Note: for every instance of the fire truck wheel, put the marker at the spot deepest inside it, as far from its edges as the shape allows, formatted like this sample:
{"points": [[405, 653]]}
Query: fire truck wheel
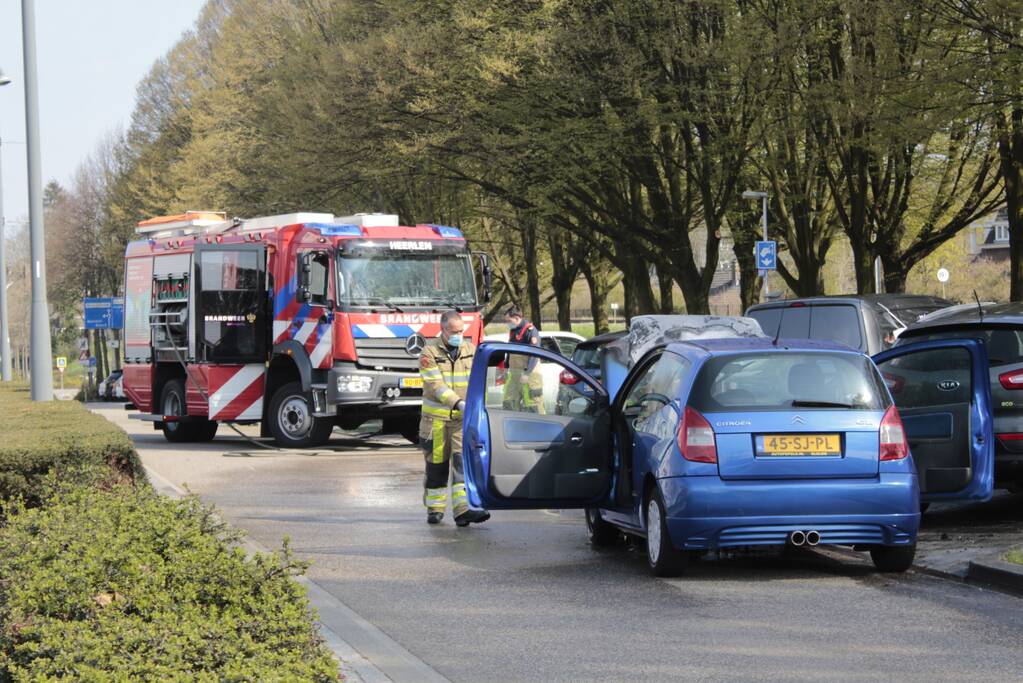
{"points": [[291, 419], [410, 430], [407, 427], [172, 402], [205, 431]]}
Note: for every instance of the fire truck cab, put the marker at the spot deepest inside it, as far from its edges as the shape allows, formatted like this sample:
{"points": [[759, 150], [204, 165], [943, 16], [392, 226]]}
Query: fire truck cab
{"points": [[301, 322]]}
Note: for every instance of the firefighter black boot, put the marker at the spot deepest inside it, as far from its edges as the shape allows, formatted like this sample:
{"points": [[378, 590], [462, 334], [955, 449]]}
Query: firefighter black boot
{"points": [[472, 516], [434, 517]]}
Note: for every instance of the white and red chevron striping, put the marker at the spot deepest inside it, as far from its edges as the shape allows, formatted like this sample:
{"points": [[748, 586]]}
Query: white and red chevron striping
{"points": [[236, 391]]}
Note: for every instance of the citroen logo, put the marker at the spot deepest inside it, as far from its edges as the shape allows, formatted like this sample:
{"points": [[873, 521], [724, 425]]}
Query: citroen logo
{"points": [[798, 420], [415, 344]]}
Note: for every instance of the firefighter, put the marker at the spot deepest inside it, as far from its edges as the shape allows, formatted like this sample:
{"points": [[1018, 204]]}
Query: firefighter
{"points": [[523, 387], [444, 366]]}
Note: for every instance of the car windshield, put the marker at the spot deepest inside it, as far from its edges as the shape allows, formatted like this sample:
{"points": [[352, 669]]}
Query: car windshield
{"points": [[783, 380], [587, 357], [390, 279], [1004, 346]]}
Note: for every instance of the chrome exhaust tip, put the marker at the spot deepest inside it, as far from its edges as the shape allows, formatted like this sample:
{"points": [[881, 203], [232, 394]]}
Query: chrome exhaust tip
{"points": [[797, 538], [813, 537]]}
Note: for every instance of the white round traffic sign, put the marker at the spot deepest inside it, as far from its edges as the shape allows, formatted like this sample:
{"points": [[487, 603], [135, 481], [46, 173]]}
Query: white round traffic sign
{"points": [[942, 275]]}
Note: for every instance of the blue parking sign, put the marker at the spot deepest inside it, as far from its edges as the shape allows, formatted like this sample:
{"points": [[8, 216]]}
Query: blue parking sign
{"points": [[97, 312], [767, 255]]}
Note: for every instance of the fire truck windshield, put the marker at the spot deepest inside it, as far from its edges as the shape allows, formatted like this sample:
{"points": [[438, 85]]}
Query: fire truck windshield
{"points": [[406, 279]]}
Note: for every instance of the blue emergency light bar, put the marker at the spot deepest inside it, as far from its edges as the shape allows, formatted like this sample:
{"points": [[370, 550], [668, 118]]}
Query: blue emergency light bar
{"points": [[332, 230], [445, 231]]}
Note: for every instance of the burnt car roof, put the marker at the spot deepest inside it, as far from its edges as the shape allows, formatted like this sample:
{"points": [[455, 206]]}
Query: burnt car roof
{"points": [[1006, 314], [891, 301]]}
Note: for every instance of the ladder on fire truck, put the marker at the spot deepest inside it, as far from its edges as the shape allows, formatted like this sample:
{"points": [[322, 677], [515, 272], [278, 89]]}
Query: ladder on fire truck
{"points": [[209, 223]]}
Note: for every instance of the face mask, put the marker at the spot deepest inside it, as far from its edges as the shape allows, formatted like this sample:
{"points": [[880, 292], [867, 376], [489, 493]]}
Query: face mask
{"points": [[455, 340], [513, 326]]}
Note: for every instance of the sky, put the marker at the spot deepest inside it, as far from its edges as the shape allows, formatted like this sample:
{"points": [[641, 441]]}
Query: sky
{"points": [[91, 54]]}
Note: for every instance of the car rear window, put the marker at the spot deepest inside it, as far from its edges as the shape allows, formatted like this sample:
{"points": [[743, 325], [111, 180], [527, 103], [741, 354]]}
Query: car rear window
{"points": [[587, 357], [1004, 346], [786, 380], [832, 322]]}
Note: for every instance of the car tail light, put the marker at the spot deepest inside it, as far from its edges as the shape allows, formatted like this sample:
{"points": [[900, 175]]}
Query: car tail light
{"points": [[1012, 379], [895, 383], [696, 438], [1011, 436], [568, 377], [893, 436]]}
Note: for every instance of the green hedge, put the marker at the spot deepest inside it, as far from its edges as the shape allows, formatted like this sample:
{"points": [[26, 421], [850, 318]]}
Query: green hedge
{"points": [[103, 579], [61, 437], [125, 584]]}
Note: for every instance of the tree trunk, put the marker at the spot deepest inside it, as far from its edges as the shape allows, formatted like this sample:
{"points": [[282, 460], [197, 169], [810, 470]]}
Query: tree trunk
{"points": [[563, 298], [667, 291], [531, 256], [896, 271], [750, 282], [1010, 156], [639, 294], [598, 278], [863, 264], [564, 270]]}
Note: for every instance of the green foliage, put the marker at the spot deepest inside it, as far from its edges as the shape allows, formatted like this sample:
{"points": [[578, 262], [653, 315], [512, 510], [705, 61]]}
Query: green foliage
{"points": [[124, 584], [1014, 556], [60, 437]]}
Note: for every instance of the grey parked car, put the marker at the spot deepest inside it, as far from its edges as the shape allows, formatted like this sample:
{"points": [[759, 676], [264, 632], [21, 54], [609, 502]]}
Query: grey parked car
{"points": [[1000, 327], [869, 323]]}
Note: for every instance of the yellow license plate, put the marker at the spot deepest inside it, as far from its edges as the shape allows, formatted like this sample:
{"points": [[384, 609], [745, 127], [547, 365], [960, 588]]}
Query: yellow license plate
{"points": [[411, 382], [799, 444]]}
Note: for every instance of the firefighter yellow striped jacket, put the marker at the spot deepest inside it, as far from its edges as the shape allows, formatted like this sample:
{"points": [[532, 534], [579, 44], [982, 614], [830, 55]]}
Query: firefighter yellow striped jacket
{"points": [[445, 380]]}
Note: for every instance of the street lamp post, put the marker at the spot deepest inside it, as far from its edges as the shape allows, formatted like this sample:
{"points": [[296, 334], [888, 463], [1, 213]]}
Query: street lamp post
{"points": [[42, 362], [762, 196], [5, 337]]}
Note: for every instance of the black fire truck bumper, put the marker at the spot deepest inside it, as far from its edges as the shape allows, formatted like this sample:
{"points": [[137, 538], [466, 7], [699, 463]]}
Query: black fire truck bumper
{"points": [[355, 392]]}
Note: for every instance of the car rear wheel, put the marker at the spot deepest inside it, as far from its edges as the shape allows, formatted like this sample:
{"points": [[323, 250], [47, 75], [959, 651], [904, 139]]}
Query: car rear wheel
{"points": [[663, 558], [893, 558], [601, 533], [292, 424]]}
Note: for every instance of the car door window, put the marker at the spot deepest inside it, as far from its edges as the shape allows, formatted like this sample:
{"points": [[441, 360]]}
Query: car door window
{"points": [[315, 276], [929, 378], [524, 383], [568, 345], [652, 402]]}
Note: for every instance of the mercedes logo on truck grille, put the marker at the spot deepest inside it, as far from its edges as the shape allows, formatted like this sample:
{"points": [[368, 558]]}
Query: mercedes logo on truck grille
{"points": [[415, 344]]}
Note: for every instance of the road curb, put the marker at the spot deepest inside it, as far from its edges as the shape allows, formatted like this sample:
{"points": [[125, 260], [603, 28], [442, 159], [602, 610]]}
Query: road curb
{"points": [[374, 658], [995, 572]]}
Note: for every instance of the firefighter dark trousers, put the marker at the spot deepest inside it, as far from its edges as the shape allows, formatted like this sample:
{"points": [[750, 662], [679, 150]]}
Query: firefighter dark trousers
{"points": [[442, 446]]}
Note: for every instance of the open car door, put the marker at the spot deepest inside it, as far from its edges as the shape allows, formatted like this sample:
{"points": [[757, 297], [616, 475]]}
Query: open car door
{"points": [[943, 393], [521, 452]]}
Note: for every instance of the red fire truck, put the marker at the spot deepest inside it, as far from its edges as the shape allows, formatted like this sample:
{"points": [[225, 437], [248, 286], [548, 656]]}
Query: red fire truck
{"points": [[300, 322]]}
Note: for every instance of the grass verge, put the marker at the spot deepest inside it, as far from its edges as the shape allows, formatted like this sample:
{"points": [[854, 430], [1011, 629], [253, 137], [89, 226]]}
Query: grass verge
{"points": [[1014, 556]]}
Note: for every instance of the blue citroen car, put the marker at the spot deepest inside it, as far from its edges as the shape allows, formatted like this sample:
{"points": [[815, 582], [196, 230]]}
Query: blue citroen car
{"points": [[723, 443]]}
